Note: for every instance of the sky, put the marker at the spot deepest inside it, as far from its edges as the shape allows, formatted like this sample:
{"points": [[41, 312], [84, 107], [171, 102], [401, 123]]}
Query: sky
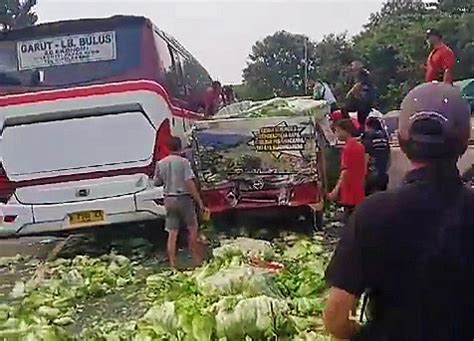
{"points": [[220, 34]]}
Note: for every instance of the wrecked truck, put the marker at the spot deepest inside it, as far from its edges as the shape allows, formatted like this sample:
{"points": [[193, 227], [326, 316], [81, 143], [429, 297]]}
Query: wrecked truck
{"points": [[265, 156]]}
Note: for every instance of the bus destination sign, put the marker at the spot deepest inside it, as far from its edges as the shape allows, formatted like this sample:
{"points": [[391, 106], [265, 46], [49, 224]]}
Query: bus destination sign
{"points": [[65, 50]]}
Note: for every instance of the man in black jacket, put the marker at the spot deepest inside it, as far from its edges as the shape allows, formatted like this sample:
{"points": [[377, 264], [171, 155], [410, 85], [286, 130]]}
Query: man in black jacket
{"points": [[411, 248], [377, 149], [361, 97]]}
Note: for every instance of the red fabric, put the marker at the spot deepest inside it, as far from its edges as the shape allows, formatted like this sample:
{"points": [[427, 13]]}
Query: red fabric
{"points": [[353, 161], [439, 60], [336, 116]]}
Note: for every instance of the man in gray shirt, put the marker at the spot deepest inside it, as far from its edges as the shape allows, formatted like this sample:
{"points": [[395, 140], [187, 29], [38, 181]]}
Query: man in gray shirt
{"points": [[181, 195]]}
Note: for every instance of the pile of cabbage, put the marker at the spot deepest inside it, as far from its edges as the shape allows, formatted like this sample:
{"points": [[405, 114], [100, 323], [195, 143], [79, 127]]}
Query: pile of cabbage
{"points": [[228, 298], [276, 107]]}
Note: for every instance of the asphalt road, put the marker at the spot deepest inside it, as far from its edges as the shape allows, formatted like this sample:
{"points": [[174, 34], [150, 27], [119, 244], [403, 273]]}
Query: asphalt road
{"points": [[28, 246]]}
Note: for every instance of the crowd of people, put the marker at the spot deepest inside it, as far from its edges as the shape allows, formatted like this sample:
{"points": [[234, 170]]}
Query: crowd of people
{"points": [[409, 250]]}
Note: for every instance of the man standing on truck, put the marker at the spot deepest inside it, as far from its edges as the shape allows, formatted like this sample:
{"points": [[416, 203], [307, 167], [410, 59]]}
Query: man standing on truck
{"points": [[212, 99], [321, 91], [411, 248], [361, 97], [350, 186], [441, 61], [181, 196]]}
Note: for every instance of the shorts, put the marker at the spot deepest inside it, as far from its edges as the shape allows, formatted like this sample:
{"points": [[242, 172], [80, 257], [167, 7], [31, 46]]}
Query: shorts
{"points": [[180, 210]]}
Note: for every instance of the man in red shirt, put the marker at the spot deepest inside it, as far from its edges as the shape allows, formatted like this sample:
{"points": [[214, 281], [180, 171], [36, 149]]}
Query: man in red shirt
{"points": [[212, 98], [350, 188], [441, 61]]}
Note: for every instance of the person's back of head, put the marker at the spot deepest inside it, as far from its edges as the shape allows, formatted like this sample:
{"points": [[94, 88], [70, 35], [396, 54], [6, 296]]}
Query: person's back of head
{"points": [[175, 145], [345, 128], [374, 123], [434, 124], [216, 86]]}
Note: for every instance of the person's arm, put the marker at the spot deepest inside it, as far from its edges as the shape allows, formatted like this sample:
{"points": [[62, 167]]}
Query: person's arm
{"points": [[354, 92], [342, 179], [157, 179], [338, 314], [345, 169], [192, 188], [191, 185], [345, 277], [368, 145]]}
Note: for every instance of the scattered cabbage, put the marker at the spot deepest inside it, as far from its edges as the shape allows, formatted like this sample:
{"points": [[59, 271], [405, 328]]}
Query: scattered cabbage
{"points": [[226, 299], [245, 246]]}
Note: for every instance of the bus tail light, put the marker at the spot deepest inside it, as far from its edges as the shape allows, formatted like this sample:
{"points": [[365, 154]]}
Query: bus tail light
{"points": [[161, 145], [6, 186], [162, 138]]}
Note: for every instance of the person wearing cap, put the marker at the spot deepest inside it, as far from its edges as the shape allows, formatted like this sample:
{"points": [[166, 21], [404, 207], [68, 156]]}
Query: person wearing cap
{"points": [[441, 61], [411, 249]]}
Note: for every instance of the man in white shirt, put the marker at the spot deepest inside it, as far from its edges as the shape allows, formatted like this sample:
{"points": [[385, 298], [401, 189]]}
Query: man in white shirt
{"points": [[322, 91]]}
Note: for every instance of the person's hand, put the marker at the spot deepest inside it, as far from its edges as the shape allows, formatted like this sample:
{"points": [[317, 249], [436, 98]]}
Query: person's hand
{"points": [[332, 196], [201, 206]]}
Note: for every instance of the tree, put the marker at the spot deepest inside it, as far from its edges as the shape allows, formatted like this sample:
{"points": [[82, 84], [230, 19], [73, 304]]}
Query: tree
{"points": [[395, 50], [277, 65], [456, 6], [396, 8], [17, 14], [392, 45], [332, 57]]}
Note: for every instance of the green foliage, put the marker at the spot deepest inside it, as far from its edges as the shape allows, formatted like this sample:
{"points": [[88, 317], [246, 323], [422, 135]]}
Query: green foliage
{"points": [[17, 14], [277, 65], [392, 45]]}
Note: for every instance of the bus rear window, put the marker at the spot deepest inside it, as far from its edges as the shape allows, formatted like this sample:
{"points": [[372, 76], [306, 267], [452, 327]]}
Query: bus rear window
{"points": [[71, 59]]}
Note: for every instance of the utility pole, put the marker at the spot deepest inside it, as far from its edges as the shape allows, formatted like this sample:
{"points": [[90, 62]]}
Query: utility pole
{"points": [[305, 65]]}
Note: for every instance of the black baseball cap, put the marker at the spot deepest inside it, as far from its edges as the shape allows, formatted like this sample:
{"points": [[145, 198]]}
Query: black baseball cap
{"points": [[434, 113]]}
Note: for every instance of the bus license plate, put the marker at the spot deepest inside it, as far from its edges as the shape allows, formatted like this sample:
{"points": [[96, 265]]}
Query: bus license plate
{"points": [[80, 218]]}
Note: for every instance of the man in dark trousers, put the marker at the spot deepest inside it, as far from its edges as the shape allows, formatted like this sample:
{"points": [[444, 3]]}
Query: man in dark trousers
{"points": [[361, 97], [411, 248], [377, 149], [441, 61]]}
